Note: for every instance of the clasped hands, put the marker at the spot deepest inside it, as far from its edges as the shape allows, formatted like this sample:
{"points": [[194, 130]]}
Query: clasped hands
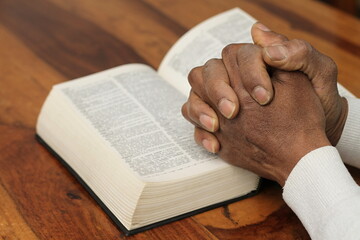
{"points": [[264, 106]]}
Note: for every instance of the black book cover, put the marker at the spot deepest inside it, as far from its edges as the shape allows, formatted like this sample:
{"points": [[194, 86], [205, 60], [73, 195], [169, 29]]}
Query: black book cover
{"points": [[147, 227]]}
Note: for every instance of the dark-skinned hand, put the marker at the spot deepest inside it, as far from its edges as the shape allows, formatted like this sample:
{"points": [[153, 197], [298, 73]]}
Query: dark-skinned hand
{"points": [[278, 52], [268, 140]]}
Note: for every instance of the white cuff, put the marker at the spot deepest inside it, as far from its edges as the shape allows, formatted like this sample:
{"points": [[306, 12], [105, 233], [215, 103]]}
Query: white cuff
{"points": [[318, 183], [349, 143]]}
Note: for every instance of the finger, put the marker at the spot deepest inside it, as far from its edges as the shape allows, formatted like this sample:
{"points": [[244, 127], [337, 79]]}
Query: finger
{"points": [[206, 140], [218, 89], [247, 70], [264, 37], [254, 75], [196, 111]]}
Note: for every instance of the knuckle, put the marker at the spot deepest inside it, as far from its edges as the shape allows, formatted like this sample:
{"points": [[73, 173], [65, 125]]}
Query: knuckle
{"points": [[194, 76], [302, 47], [208, 68], [305, 50], [247, 53], [229, 50], [281, 38], [211, 62], [332, 65], [330, 68]]}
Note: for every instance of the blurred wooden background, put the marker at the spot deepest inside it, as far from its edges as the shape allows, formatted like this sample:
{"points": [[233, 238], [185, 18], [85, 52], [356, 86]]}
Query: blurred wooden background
{"points": [[349, 6], [43, 42]]}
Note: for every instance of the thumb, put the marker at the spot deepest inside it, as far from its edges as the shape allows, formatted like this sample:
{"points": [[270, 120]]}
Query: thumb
{"points": [[299, 55], [264, 37], [294, 55]]}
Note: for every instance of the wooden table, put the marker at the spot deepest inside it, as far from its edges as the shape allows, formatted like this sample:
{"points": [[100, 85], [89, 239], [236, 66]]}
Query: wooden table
{"points": [[43, 42]]}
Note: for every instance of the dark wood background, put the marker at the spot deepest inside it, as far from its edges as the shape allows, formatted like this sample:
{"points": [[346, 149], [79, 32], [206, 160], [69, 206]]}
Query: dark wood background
{"points": [[44, 42]]}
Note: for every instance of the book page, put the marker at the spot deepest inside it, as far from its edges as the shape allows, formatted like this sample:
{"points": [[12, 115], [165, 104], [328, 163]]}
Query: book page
{"points": [[203, 42], [138, 114]]}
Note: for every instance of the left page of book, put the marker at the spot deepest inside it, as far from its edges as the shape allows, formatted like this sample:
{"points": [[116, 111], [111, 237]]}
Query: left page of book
{"points": [[137, 116], [64, 124]]}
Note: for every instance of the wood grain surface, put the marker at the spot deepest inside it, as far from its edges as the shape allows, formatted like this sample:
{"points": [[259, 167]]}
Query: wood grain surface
{"points": [[44, 42]]}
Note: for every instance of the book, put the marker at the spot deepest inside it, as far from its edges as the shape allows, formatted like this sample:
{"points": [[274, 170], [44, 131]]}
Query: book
{"points": [[121, 134]]}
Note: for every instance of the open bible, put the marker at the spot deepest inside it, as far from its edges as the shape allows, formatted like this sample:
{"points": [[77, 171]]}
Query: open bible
{"points": [[121, 133]]}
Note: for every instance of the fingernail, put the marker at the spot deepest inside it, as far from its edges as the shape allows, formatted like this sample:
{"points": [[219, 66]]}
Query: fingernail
{"points": [[261, 95], [208, 122], [263, 27], [208, 146], [226, 107], [276, 53]]}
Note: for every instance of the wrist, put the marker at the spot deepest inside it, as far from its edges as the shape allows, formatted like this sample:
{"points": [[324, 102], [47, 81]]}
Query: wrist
{"points": [[305, 143]]}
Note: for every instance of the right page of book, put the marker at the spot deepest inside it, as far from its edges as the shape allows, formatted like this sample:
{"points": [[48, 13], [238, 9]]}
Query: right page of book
{"points": [[206, 41], [203, 42]]}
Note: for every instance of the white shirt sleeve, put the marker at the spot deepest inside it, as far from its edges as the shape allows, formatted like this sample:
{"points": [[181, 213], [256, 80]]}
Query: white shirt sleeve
{"points": [[349, 143], [324, 196]]}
